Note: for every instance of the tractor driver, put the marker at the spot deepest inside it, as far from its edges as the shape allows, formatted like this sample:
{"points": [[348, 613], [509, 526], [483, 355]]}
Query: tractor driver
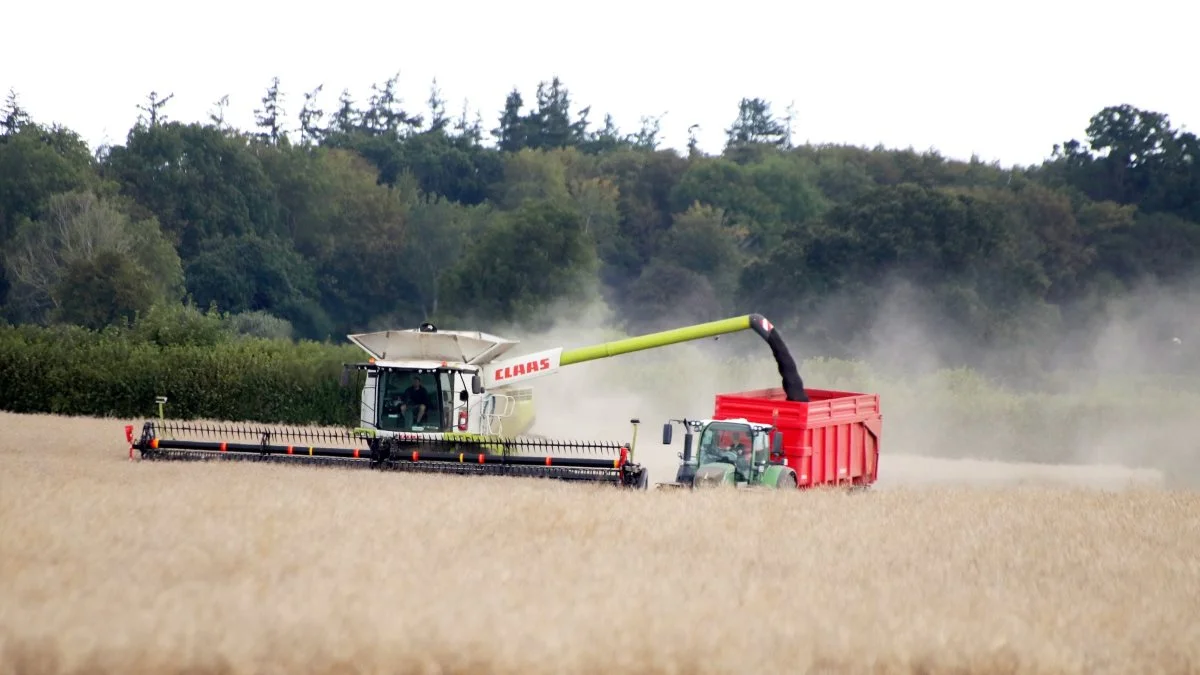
{"points": [[418, 397], [739, 457], [741, 453], [724, 453]]}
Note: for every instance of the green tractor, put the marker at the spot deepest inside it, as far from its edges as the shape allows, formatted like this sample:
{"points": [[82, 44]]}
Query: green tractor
{"points": [[733, 452]]}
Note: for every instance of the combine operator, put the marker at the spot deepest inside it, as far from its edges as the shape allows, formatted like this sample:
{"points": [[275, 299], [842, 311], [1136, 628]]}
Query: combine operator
{"points": [[415, 398]]}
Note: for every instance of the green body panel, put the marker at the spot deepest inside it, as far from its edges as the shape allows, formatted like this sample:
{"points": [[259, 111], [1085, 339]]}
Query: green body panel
{"points": [[495, 448], [521, 421], [716, 474], [653, 340], [772, 474]]}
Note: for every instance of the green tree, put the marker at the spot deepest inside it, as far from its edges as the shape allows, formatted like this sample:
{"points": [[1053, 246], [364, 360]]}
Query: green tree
{"points": [[199, 182], [101, 290], [248, 273], [15, 116], [532, 256], [699, 241], [666, 295], [755, 125], [311, 130], [513, 132], [763, 197], [38, 162], [532, 174], [606, 138], [438, 232], [1133, 156], [269, 118], [645, 183], [76, 229], [454, 167], [217, 117], [964, 255], [550, 124], [152, 114], [547, 126], [385, 115], [1043, 227], [350, 228], [347, 119]]}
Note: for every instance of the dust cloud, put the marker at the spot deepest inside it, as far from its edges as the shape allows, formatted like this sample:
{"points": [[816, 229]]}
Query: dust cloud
{"points": [[1112, 390], [1102, 396]]}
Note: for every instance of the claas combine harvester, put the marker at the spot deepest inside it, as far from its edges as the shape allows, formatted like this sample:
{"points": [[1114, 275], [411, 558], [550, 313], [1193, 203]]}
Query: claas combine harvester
{"points": [[444, 401]]}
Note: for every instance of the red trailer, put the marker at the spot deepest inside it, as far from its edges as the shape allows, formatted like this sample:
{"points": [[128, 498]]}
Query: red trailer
{"points": [[833, 439]]}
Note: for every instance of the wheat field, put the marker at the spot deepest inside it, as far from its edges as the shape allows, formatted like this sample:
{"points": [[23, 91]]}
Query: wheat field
{"points": [[112, 566]]}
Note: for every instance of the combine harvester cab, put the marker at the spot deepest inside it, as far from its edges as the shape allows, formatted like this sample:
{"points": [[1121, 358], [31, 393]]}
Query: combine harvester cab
{"points": [[450, 367], [760, 438]]}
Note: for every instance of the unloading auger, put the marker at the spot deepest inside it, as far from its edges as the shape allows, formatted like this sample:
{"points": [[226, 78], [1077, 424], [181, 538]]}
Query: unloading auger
{"points": [[440, 401]]}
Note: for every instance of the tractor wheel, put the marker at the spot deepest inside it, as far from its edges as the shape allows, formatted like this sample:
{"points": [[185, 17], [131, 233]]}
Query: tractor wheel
{"points": [[787, 481]]}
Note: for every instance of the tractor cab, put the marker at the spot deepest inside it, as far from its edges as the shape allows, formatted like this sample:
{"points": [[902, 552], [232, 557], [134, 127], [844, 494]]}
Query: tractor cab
{"points": [[728, 452], [733, 443]]}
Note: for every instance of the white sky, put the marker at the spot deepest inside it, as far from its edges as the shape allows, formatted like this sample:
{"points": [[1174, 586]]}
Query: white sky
{"points": [[1006, 80]]}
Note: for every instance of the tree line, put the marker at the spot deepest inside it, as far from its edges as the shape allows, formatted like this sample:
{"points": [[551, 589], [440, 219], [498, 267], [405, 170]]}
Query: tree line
{"points": [[378, 213]]}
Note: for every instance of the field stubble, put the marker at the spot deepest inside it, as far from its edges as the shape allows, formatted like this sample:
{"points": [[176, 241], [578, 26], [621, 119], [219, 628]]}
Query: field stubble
{"points": [[108, 566]]}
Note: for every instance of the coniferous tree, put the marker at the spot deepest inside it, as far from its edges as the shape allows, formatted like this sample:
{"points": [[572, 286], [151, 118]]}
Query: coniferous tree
{"points": [[270, 116], [153, 110]]}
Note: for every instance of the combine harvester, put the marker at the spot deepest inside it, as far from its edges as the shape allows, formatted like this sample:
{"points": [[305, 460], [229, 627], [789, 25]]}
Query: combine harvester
{"points": [[470, 420]]}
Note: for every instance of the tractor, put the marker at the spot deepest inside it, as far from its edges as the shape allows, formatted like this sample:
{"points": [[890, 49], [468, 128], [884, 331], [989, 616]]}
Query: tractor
{"points": [[732, 452]]}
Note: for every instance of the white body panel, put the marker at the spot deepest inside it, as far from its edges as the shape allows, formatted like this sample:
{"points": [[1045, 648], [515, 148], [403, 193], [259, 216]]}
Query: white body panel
{"points": [[756, 426], [413, 345], [367, 412], [428, 365], [521, 369]]}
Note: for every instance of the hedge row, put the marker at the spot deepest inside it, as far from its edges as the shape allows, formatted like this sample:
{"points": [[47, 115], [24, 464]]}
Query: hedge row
{"points": [[73, 371]]}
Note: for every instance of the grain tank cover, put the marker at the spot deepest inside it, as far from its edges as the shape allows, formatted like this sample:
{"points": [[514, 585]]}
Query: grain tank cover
{"points": [[430, 344]]}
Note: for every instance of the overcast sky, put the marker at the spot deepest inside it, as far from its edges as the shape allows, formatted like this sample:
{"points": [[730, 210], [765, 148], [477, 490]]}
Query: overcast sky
{"points": [[1005, 80]]}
